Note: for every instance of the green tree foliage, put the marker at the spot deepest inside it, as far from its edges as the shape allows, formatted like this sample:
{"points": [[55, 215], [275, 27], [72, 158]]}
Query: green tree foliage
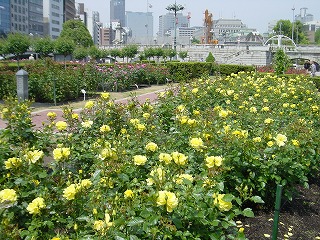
{"points": [[115, 52], [80, 53], [281, 62], [94, 52], [171, 53], [317, 36], [183, 54], [77, 31], [64, 46], [43, 46], [17, 44], [130, 51], [284, 27], [210, 58], [158, 52]]}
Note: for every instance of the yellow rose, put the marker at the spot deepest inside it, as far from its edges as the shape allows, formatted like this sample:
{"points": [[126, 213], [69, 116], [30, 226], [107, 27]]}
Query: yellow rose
{"points": [[89, 105], [165, 157], [161, 200], [61, 125], [212, 161], [12, 162], [141, 127], [8, 195], [172, 201], [105, 128], [139, 160], [69, 193], [85, 183], [36, 205], [180, 178], [179, 158], [222, 204], [281, 140], [98, 225], [268, 120], [61, 153], [33, 156], [87, 124], [223, 113], [151, 146], [105, 95], [146, 115], [196, 143], [128, 193], [51, 115]]}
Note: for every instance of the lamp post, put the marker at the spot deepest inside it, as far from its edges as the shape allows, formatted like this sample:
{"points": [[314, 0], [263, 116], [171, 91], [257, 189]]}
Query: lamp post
{"points": [[175, 8], [292, 23]]}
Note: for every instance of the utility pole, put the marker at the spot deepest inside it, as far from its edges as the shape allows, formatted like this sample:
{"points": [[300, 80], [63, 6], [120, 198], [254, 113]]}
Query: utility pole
{"points": [[175, 8]]}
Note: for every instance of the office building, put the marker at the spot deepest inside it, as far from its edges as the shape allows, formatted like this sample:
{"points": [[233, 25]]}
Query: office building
{"points": [[5, 19], [140, 25], [167, 23], [53, 17], [69, 9], [117, 11], [35, 18], [19, 16]]}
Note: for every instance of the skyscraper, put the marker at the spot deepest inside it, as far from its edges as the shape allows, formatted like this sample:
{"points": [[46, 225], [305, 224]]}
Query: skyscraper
{"points": [[117, 11], [5, 19]]}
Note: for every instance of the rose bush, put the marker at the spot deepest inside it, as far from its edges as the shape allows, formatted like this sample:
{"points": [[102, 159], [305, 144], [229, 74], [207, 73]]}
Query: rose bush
{"points": [[187, 167]]}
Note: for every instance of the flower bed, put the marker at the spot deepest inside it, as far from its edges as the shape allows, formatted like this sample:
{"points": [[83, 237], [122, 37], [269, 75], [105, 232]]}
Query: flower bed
{"points": [[185, 168]]}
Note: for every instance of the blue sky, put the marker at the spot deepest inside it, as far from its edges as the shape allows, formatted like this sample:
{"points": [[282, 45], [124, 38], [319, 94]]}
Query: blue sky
{"points": [[254, 13]]}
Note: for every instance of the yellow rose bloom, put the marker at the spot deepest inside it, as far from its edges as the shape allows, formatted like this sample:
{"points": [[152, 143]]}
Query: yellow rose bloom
{"points": [[268, 120], [34, 156], [195, 90], [253, 110], [179, 158], [161, 200], [139, 160], [69, 193], [158, 173], [152, 147], [265, 109], [51, 115], [165, 157], [212, 161], [270, 143], [146, 115], [141, 127], [281, 140], [36, 205], [87, 124], [295, 142], [134, 121], [55, 238], [89, 105], [180, 178], [75, 116], [257, 139], [61, 125], [223, 113], [105, 96], [61, 153], [12, 163], [172, 201], [128, 193], [8, 196], [196, 143], [85, 183], [222, 204], [105, 128], [98, 225]]}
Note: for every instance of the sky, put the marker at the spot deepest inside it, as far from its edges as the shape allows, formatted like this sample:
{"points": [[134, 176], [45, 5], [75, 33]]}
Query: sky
{"points": [[254, 13]]}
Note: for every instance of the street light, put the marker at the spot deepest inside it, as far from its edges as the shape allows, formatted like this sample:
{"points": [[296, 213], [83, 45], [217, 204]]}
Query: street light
{"points": [[292, 22], [175, 8]]}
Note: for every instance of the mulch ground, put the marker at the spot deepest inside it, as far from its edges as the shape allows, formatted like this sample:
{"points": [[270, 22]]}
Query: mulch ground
{"points": [[299, 219]]}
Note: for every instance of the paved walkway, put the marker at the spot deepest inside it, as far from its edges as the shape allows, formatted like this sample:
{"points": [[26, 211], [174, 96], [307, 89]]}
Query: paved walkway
{"points": [[39, 117]]}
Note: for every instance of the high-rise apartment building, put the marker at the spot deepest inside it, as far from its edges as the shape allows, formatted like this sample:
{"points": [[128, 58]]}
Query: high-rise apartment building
{"points": [[5, 19], [35, 18], [141, 27], [53, 17], [19, 16], [117, 11], [69, 9], [167, 22]]}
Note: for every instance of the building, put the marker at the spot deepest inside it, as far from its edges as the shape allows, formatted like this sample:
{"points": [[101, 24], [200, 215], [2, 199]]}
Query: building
{"points": [[141, 27], [117, 12], [53, 17], [19, 16], [105, 36], [310, 28], [167, 22], [304, 16], [69, 9], [96, 25], [36, 26], [81, 13], [223, 28], [5, 18]]}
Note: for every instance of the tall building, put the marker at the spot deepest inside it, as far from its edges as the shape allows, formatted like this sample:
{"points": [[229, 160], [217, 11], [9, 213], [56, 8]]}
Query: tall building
{"points": [[69, 9], [304, 16], [96, 25], [35, 18], [5, 19], [117, 11], [167, 22], [19, 16], [141, 27], [53, 17]]}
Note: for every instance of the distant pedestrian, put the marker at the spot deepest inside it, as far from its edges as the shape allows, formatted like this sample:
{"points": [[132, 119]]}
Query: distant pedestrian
{"points": [[313, 69], [307, 65]]}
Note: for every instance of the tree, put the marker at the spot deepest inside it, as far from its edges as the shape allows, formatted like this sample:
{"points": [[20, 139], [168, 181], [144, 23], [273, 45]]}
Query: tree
{"points": [[281, 62], [94, 52], [43, 46], [130, 51], [317, 36], [183, 54], [158, 52], [77, 31], [284, 27], [64, 46], [80, 53], [210, 58], [115, 52], [171, 53], [17, 44]]}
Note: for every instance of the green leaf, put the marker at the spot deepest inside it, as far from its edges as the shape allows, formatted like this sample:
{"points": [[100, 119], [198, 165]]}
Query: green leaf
{"points": [[133, 237], [248, 212], [257, 199], [177, 222], [135, 222], [215, 223], [42, 175], [228, 197]]}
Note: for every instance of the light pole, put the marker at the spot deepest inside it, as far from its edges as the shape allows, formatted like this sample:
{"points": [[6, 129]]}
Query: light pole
{"points": [[292, 22], [175, 8]]}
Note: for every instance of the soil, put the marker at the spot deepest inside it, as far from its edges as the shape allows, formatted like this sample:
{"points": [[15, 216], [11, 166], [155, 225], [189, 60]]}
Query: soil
{"points": [[298, 219]]}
